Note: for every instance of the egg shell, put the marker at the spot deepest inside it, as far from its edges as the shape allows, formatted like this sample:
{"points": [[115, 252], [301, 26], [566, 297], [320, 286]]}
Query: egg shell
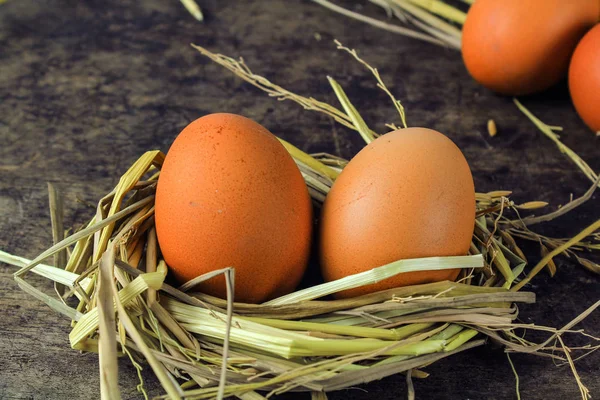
{"points": [[584, 78], [518, 47], [408, 194], [230, 195]]}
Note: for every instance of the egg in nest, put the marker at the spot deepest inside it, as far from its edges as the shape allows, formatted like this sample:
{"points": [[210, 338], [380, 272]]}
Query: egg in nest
{"points": [[408, 194], [230, 195]]}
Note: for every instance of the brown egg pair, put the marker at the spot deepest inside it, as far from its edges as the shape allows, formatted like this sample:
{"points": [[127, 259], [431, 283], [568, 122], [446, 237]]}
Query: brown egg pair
{"points": [[519, 47], [229, 194]]}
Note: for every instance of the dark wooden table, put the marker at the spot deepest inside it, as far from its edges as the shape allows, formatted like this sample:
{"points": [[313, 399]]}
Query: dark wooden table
{"points": [[86, 87]]}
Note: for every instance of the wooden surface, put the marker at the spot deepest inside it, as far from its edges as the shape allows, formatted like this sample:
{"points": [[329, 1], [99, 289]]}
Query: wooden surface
{"points": [[86, 87]]}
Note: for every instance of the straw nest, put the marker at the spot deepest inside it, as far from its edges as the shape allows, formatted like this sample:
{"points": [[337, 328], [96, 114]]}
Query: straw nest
{"points": [[110, 281]]}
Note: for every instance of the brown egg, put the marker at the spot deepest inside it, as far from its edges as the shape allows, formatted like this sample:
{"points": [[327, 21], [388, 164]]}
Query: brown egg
{"points": [[230, 195], [408, 194], [584, 78], [518, 47]]}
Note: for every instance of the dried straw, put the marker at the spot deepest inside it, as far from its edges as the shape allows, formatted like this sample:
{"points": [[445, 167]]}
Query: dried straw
{"points": [[432, 21], [202, 347]]}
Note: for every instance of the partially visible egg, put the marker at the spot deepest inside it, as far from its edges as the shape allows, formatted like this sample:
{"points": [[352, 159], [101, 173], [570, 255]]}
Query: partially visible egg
{"points": [[230, 195], [408, 194], [584, 78], [518, 47]]}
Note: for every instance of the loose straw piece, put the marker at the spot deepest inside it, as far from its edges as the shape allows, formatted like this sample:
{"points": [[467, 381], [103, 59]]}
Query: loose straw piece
{"points": [[558, 250], [107, 344], [193, 9], [380, 84], [512, 366], [410, 388], [359, 123], [547, 130], [47, 271], [58, 231], [377, 274], [442, 9], [169, 385], [491, 127], [425, 20], [83, 234], [379, 24], [528, 221], [229, 285], [151, 262], [239, 68]]}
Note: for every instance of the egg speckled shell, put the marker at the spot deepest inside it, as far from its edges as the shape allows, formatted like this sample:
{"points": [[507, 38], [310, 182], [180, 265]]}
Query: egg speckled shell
{"points": [[408, 194], [518, 47], [230, 195]]}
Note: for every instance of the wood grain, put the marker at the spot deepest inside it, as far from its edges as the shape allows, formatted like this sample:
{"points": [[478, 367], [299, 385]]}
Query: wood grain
{"points": [[87, 87]]}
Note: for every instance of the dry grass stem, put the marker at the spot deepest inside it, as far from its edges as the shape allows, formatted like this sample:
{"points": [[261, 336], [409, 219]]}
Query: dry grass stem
{"points": [[380, 84], [379, 24], [193, 9], [548, 131]]}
